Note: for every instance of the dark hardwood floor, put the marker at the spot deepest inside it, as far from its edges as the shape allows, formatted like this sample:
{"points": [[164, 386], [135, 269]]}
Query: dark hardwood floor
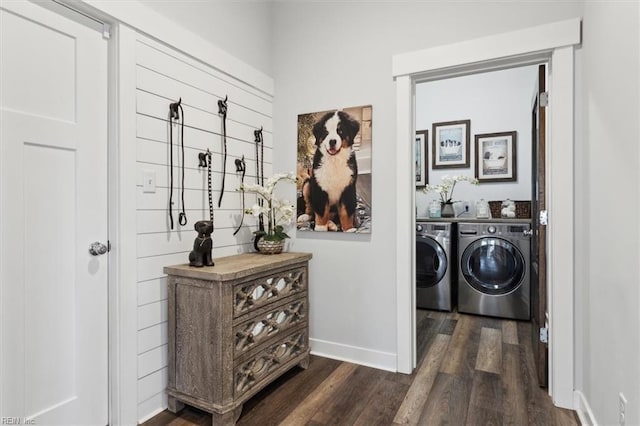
{"points": [[472, 371]]}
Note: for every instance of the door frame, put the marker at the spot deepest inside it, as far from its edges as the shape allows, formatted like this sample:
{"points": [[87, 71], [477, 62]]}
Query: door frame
{"points": [[122, 360], [552, 43]]}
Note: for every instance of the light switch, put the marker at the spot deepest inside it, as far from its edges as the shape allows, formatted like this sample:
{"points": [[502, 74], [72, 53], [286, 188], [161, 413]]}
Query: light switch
{"points": [[149, 181]]}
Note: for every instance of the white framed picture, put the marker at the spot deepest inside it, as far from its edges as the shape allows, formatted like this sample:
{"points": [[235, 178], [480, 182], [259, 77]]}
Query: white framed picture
{"points": [[451, 143], [495, 155]]}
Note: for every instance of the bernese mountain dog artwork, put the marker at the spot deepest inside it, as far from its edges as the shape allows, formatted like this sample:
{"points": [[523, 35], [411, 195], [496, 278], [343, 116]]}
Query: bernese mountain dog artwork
{"points": [[330, 198]]}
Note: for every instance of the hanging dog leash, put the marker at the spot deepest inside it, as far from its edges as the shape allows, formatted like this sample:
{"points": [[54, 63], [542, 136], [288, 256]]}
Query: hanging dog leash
{"points": [[222, 109], [175, 109], [259, 179], [260, 170], [241, 167], [205, 161], [201, 255]]}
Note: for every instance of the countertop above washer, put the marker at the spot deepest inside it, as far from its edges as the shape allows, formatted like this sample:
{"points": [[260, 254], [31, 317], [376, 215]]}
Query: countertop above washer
{"points": [[472, 219]]}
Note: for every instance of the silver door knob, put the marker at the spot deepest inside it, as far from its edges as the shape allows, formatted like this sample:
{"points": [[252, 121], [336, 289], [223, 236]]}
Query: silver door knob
{"points": [[97, 248]]}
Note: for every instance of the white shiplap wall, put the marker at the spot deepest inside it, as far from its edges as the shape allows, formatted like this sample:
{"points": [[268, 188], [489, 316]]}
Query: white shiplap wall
{"points": [[164, 75]]}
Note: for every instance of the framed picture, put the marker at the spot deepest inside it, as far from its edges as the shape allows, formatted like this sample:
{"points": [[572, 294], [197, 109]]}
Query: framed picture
{"points": [[422, 136], [451, 144], [334, 171], [496, 157]]}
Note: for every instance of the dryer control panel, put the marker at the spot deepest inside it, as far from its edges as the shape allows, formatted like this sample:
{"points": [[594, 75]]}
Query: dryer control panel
{"points": [[496, 229]]}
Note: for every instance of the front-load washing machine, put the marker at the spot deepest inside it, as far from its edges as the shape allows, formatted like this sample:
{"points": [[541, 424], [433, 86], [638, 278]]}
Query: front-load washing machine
{"points": [[435, 265], [494, 269]]}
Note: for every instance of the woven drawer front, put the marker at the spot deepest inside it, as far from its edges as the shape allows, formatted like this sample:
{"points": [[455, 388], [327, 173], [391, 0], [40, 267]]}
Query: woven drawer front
{"points": [[272, 323], [268, 289], [274, 356]]}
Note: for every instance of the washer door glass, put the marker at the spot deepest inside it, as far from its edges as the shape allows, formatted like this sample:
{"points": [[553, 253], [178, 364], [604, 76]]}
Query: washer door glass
{"points": [[431, 262], [493, 266]]}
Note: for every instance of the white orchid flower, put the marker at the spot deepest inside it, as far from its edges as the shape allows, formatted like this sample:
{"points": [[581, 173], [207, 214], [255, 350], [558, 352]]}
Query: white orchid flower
{"points": [[276, 212], [445, 189]]}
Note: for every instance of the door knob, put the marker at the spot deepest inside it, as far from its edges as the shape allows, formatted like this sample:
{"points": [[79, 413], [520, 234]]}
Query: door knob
{"points": [[97, 248]]}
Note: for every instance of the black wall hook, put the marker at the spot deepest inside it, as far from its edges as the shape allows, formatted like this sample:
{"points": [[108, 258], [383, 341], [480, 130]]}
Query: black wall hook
{"points": [[240, 165], [258, 135], [222, 106], [174, 109], [202, 159]]}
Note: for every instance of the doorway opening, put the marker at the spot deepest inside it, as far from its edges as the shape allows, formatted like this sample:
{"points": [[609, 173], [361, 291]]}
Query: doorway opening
{"points": [[553, 43], [497, 106]]}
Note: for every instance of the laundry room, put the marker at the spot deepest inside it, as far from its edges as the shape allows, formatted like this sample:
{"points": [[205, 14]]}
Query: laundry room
{"points": [[473, 202], [493, 102]]}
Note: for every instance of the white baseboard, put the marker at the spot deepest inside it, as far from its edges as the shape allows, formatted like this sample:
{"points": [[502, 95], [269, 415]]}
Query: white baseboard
{"points": [[150, 415], [367, 357], [152, 407], [583, 409]]}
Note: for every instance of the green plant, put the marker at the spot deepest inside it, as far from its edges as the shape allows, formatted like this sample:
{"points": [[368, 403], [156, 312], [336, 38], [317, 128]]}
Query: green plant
{"points": [[277, 212]]}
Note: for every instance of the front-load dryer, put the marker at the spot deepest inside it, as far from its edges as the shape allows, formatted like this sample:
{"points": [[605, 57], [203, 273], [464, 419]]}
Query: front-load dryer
{"points": [[494, 269], [435, 265]]}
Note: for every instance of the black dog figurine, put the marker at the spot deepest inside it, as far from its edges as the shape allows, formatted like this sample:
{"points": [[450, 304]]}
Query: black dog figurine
{"points": [[202, 245]]}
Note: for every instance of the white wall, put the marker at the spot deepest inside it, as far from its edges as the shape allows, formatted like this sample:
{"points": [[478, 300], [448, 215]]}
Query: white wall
{"points": [[607, 267], [149, 76], [242, 29], [498, 101], [326, 57], [164, 75]]}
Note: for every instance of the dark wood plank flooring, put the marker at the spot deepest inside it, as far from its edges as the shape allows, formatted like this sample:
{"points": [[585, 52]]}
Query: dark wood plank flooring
{"points": [[472, 371]]}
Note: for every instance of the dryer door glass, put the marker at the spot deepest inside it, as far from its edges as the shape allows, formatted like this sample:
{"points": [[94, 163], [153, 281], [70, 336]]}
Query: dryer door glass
{"points": [[431, 262], [493, 266]]}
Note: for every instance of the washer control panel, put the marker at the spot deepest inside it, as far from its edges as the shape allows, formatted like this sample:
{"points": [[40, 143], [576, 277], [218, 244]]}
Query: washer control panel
{"points": [[433, 229]]}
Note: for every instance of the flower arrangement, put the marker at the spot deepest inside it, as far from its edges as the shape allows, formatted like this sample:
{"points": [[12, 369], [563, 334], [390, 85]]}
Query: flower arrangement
{"points": [[277, 212], [445, 189]]}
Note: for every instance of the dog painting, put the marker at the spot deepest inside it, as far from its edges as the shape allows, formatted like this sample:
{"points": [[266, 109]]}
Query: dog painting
{"points": [[334, 170]]}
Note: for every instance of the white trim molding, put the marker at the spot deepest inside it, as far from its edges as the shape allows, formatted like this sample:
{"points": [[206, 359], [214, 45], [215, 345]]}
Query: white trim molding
{"points": [[583, 409], [406, 327], [353, 354], [560, 244], [124, 408], [553, 43], [542, 38]]}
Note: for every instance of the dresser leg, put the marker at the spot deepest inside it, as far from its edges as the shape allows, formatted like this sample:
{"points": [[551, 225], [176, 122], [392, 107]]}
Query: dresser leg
{"points": [[174, 405], [304, 364], [228, 418]]}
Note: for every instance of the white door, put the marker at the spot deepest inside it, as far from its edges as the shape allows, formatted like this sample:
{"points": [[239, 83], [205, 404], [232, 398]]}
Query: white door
{"points": [[53, 193]]}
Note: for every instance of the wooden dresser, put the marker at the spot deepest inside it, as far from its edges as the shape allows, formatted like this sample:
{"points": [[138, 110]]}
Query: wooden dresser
{"points": [[234, 328]]}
